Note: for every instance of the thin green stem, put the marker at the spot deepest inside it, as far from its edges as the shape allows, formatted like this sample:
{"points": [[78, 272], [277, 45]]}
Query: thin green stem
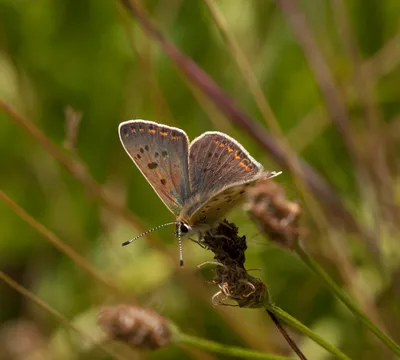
{"points": [[217, 348], [290, 320], [346, 300]]}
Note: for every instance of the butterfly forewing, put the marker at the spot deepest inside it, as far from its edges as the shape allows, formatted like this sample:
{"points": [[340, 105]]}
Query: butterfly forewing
{"points": [[161, 154]]}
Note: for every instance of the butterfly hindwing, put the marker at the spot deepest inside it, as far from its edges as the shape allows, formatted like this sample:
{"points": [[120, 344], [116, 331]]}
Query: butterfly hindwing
{"points": [[220, 170], [218, 205], [217, 161], [161, 154]]}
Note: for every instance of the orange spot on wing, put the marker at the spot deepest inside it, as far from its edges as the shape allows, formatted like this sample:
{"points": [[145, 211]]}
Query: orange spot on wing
{"points": [[152, 131], [236, 156], [133, 130], [221, 145], [174, 137], [141, 130], [230, 149], [163, 133], [244, 165]]}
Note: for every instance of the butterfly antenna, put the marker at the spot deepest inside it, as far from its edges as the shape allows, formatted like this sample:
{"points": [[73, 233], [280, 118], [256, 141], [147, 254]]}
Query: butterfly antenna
{"points": [[273, 174], [180, 247], [148, 232]]}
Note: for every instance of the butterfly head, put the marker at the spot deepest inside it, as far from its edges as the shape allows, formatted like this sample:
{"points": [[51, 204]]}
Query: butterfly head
{"points": [[182, 228]]}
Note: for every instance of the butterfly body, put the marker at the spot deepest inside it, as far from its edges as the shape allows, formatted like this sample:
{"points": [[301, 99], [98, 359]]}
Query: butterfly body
{"points": [[199, 182]]}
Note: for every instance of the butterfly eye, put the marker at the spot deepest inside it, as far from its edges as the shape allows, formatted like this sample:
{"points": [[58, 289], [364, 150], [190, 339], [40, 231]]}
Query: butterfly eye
{"points": [[184, 228]]}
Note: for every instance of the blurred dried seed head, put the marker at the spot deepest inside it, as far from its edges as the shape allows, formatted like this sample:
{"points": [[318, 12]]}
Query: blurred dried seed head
{"points": [[275, 215], [135, 326], [22, 340]]}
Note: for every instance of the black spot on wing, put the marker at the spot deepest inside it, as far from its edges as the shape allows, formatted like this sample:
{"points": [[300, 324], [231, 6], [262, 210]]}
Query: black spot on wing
{"points": [[152, 165]]}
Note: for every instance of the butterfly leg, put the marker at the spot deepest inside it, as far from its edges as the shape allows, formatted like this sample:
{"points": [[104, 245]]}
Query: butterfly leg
{"points": [[198, 240]]}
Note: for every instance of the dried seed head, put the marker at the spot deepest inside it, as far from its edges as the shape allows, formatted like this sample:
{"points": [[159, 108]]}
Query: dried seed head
{"points": [[135, 326], [227, 246], [275, 215], [237, 285], [231, 276]]}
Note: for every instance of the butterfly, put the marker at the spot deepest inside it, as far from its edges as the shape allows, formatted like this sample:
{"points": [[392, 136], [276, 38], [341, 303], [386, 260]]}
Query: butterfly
{"points": [[198, 181]]}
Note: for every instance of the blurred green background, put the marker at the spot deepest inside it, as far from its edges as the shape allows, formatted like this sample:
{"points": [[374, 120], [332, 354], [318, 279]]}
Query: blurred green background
{"points": [[91, 57]]}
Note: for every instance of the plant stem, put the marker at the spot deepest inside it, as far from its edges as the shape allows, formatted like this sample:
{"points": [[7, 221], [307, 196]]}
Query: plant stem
{"points": [[290, 320], [215, 347], [285, 334], [345, 299]]}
